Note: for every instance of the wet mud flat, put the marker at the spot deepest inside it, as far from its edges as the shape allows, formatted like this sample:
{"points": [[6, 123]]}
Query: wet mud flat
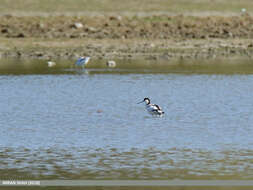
{"points": [[24, 163], [126, 37]]}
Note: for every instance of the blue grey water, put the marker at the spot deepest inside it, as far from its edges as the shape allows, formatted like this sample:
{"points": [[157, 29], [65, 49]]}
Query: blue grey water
{"points": [[91, 122]]}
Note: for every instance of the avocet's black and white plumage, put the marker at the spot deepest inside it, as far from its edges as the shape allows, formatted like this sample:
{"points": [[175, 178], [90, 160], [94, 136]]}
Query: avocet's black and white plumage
{"points": [[82, 61], [152, 108]]}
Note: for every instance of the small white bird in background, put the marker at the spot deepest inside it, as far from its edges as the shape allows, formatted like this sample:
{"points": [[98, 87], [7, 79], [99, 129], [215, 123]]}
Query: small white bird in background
{"points": [[153, 109], [111, 63], [82, 61], [51, 64], [243, 10]]}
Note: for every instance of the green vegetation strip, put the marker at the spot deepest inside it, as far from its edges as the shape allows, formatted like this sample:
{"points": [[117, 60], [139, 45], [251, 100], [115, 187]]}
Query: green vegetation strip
{"points": [[173, 6]]}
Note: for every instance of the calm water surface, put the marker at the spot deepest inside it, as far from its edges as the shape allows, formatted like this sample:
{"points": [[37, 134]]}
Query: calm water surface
{"points": [[64, 122]]}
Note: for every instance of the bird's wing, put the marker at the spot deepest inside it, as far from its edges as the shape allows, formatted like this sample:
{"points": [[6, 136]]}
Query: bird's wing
{"points": [[159, 108], [154, 108], [80, 61]]}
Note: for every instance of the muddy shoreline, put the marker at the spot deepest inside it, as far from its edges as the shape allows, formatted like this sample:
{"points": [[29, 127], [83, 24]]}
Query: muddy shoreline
{"points": [[122, 37]]}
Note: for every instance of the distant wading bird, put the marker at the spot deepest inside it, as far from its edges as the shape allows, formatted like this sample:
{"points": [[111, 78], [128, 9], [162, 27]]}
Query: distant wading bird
{"points": [[82, 61], [111, 63], [153, 109], [51, 64]]}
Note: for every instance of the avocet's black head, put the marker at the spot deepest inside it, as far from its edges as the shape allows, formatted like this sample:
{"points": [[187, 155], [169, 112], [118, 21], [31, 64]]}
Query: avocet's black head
{"points": [[147, 100]]}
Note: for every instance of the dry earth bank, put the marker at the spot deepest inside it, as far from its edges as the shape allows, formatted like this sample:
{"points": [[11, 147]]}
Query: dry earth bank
{"points": [[152, 37]]}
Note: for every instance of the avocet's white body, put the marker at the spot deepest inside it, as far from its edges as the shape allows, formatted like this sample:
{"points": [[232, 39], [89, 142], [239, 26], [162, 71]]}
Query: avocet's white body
{"points": [[153, 109]]}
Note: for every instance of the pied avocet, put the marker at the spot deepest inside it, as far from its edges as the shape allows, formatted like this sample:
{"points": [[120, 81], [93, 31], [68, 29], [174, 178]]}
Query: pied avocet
{"points": [[152, 108]]}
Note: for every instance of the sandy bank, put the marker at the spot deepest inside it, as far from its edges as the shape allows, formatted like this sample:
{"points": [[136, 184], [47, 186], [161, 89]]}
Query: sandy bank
{"points": [[149, 37]]}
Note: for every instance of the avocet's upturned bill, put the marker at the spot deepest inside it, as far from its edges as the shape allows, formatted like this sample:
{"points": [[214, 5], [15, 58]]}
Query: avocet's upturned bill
{"points": [[82, 61], [153, 109]]}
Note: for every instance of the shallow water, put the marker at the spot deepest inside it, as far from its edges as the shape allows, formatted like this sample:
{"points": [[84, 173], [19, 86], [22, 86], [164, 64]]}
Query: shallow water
{"points": [[65, 122]]}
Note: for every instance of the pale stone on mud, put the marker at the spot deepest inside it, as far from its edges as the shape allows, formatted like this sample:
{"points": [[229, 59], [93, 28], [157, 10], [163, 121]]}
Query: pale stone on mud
{"points": [[78, 25]]}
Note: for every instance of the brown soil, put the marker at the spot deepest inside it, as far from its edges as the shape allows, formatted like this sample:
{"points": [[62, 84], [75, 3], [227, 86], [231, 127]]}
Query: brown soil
{"points": [[153, 37]]}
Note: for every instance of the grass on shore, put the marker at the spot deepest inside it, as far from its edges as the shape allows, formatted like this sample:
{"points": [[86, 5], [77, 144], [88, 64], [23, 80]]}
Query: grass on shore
{"points": [[171, 6]]}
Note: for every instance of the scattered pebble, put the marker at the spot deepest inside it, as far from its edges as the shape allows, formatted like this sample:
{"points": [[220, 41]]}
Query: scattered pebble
{"points": [[111, 63], [250, 45], [119, 18], [152, 45], [20, 35], [91, 29], [40, 25], [78, 25], [4, 30]]}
